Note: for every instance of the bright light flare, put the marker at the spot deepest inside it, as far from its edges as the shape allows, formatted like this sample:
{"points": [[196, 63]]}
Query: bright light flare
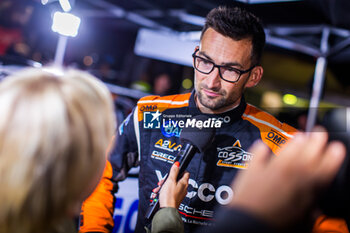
{"points": [[65, 5], [54, 70], [44, 2], [65, 24]]}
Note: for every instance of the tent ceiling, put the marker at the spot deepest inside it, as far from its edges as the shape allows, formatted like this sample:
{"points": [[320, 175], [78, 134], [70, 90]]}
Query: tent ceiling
{"points": [[176, 14], [298, 22]]}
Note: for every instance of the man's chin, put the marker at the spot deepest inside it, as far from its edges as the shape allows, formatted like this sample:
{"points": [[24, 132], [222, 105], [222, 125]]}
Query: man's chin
{"points": [[209, 103]]}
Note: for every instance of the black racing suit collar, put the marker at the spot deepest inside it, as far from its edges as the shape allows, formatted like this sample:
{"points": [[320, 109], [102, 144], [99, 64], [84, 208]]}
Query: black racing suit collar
{"points": [[234, 114]]}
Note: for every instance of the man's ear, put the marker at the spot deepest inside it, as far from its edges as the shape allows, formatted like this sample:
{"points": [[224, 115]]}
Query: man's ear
{"points": [[255, 76], [195, 48]]}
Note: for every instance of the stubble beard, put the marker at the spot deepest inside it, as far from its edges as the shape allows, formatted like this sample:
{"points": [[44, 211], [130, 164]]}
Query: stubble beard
{"points": [[212, 103]]}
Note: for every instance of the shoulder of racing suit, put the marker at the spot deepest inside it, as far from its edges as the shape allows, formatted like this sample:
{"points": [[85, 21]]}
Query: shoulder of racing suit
{"points": [[272, 132], [154, 102]]}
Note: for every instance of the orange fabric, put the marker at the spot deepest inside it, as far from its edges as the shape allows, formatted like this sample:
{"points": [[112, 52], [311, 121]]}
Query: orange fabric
{"points": [[273, 133], [161, 103], [326, 224], [97, 210]]}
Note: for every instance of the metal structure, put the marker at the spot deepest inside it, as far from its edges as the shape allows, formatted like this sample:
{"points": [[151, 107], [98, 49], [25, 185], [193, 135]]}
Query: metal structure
{"points": [[283, 37]]}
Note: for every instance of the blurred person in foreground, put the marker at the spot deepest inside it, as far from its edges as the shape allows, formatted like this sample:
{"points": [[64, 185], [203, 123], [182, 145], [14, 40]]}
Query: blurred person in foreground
{"points": [[226, 62], [257, 207], [52, 147]]}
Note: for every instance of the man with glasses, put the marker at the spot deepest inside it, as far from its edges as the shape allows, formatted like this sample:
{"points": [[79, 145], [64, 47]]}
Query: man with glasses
{"points": [[226, 62]]}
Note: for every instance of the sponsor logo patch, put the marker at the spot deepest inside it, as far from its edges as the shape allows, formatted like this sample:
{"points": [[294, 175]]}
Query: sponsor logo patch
{"points": [[191, 212], [233, 156], [167, 145], [148, 108], [171, 131], [276, 138], [163, 156], [206, 192]]}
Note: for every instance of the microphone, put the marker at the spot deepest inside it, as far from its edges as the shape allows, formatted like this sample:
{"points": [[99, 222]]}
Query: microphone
{"points": [[193, 140], [335, 201]]}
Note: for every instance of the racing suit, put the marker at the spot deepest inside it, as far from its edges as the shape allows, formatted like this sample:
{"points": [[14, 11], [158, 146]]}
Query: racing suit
{"points": [[149, 137]]}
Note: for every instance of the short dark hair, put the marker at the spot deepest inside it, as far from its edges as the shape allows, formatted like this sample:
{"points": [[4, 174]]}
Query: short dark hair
{"points": [[238, 24]]}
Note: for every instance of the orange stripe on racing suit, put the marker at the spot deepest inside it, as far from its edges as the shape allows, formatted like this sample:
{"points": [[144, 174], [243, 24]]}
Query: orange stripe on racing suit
{"points": [[163, 103], [273, 133], [97, 210]]}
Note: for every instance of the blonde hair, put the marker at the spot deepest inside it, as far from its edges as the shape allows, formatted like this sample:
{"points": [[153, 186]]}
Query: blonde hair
{"points": [[54, 132]]}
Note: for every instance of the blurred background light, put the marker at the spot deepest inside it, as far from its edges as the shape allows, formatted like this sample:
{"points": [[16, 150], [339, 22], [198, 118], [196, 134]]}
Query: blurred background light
{"points": [[290, 99], [65, 24], [271, 101], [187, 83], [88, 60]]}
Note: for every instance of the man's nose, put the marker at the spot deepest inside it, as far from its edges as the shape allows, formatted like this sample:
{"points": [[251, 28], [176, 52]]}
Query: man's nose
{"points": [[213, 79]]}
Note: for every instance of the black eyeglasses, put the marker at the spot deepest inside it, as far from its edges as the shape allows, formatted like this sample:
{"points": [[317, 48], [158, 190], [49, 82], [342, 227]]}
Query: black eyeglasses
{"points": [[227, 73]]}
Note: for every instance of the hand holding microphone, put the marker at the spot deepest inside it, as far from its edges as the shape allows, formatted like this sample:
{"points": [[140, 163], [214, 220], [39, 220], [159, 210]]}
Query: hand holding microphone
{"points": [[174, 190], [193, 140]]}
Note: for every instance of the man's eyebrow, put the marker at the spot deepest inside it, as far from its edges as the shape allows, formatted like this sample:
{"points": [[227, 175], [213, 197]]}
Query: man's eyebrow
{"points": [[205, 55], [236, 64]]}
